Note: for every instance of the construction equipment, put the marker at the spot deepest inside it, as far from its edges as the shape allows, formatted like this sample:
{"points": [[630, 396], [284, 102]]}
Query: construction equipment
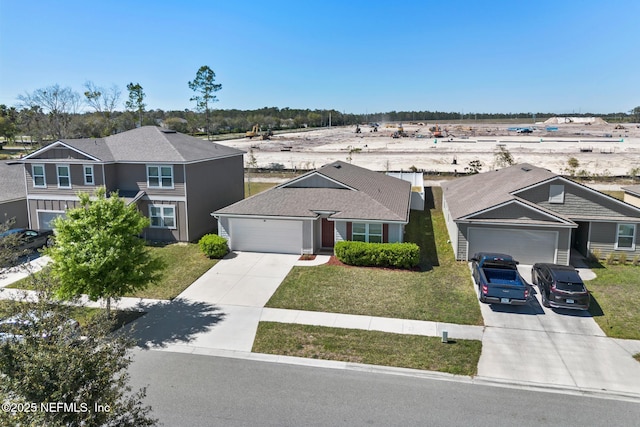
{"points": [[267, 135], [436, 131], [253, 132]]}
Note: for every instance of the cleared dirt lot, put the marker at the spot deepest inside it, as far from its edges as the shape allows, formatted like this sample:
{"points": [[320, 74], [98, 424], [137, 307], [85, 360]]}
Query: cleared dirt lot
{"points": [[600, 148]]}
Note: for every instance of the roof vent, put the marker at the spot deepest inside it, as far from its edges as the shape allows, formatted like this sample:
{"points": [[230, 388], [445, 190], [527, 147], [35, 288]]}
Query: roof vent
{"points": [[337, 165], [525, 168]]}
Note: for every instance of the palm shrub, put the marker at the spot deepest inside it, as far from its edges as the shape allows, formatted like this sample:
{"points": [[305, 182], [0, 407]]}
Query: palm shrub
{"points": [[213, 246]]}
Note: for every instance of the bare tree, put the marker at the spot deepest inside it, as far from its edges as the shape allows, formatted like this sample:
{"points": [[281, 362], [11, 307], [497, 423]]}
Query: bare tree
{"points": [[59, 103], [104, 102]]}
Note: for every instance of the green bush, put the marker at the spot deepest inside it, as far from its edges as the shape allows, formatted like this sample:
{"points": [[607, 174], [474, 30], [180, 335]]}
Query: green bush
{"points": [[397, 255], [213, 246]]}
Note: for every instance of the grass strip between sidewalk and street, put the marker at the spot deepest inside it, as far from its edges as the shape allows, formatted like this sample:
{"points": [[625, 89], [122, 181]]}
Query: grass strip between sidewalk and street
{"points": [[458, 357]]}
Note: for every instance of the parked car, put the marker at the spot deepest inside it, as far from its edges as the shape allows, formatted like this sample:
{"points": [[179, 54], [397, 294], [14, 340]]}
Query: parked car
{"points": [[498, 280], [17, 327], [30, 240], [560, 286]]}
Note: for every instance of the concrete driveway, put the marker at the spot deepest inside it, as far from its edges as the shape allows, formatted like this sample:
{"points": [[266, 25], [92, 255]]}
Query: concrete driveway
{"points": [[539, 345], [221, 309]]}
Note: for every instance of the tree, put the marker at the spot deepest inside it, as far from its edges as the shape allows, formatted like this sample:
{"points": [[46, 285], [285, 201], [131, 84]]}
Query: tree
{"points": [[48, 363], [475, 166], [636, 113], [104, 102], [58, 103], [252, 163], [204, 85], [503, 157], [572, 165], [136, 100], [98, 251]]}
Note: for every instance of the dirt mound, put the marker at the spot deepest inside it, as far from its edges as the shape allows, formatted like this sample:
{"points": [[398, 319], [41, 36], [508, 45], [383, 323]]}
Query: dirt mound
{"points": [[579, 120]]}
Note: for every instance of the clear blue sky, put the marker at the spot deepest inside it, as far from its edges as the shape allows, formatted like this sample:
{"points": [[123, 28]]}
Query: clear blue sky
{"points": [[355, 56]]}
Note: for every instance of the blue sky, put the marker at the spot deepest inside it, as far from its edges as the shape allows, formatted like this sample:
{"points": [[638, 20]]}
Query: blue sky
{"points": [[350, 55]]}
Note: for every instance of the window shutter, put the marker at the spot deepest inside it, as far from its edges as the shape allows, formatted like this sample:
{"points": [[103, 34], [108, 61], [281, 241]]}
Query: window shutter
{"points": [[349, 231], [385, 233]]}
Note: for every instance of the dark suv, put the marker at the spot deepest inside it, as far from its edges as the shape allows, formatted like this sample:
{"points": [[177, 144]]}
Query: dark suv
{"points": [[560, 286]]}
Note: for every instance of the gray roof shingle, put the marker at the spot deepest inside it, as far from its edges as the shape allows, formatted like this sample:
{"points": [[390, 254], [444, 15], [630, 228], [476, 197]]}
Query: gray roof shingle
{"points": [[151, 144], [12, 184], [377, 197]]}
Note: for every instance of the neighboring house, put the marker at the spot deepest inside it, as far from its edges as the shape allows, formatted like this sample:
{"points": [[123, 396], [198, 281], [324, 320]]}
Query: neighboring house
{"points": [[174, 179], [632, 195], [536, 216], [13, 195], [417, 187], [338, 201]]}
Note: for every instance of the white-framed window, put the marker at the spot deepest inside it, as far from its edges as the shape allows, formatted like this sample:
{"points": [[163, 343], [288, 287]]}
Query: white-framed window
{"points": [[87, 171], [64, 176], [626, 237], [366, 232], [39, 178], [160, 176], [162, 216], [556, 193]]}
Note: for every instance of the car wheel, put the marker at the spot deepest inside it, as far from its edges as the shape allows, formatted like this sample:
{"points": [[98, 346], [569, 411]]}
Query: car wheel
{"points": [[545, 299]]}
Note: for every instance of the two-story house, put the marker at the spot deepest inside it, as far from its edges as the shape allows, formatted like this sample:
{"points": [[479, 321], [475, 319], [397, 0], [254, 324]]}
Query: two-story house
{"points": [[174, 179]]}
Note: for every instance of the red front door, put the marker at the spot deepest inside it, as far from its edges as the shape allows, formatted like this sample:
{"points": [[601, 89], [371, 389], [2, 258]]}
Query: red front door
{"points": [[327, 233]]}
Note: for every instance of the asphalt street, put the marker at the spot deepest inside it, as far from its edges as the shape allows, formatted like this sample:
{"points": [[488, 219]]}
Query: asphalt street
{"points": [[195, 390]]}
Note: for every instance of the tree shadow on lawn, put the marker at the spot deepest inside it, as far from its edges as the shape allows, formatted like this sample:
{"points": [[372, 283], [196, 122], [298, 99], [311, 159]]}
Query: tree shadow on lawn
{"points": [[176, 322]]}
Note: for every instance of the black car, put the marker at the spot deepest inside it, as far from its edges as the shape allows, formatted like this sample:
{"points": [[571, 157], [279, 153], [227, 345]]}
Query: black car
{"points": [[29, 240], [560, 286]]}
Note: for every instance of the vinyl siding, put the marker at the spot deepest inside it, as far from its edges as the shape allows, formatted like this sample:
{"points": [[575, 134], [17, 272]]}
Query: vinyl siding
{"points": [[34, 206], [211, 185], [133, 177], [15, 210], [307, 236], [59, 153], [513, 211], [341, 231], [578, 202], [51, 178], [165, 234], [603, 238], [315, 181]]}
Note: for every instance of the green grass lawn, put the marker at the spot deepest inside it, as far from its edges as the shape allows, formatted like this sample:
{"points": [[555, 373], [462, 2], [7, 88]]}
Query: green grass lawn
{"points": [[616, 300], [184, 264], [442, 291], [256, 187], [370, 347]]}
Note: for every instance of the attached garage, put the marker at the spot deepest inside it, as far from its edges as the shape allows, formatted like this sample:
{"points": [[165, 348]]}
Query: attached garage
{"points": [[265, 235], [46, 217], [526, 246]]}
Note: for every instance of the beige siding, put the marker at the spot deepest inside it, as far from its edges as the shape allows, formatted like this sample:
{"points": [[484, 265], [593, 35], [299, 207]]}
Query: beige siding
{"points": [[631, 199], [212, 185]]}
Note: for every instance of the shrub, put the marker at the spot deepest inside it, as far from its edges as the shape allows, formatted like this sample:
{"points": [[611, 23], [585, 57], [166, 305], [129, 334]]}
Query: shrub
{"points": [[611, 258], [636, 260], [622, 258], [397, 255], [213, 246]]}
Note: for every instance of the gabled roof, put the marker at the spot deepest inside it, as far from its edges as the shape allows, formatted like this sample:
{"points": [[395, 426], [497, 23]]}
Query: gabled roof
{"points": [[355, 193], [12, 185], [475, 193], [145, 144], [634, 190]]}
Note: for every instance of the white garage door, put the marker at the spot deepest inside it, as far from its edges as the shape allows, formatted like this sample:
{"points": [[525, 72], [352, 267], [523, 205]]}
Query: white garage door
{"points": [[265, 235], [526, 246]]}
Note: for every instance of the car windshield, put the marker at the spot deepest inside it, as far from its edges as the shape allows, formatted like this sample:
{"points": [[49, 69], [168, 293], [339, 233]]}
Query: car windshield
{"points": [[570, 287]]}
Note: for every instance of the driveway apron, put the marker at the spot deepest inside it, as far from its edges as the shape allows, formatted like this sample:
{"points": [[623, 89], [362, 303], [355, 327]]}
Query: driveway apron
{"points": [[225, 305], [539, 345]]}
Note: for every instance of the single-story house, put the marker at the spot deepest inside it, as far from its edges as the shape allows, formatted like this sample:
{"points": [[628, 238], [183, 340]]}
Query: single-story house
{"points": [[338, 201], [13, 195], [536, 216]]}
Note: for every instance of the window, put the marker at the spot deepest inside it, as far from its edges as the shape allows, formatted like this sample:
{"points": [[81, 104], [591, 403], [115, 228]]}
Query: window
{"points": [[556, 193], [37, 172], [626, 238], [365, 232], [162, 216], [88, 175], [64, 178], [160, 176]]}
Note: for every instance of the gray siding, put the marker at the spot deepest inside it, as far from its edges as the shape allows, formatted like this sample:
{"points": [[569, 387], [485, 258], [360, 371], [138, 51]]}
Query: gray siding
{"points": [[341, 231], [223, 227], [315, 181], [15, 210], [34, 206], [211, 185], [579, 202], [307, 236], [61, 153], [133, 177], [51, 178], [178, 234], [396, 233], [603, 238]]}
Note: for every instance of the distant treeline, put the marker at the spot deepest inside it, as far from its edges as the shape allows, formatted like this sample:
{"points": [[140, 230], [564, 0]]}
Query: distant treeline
{"points": [[41, 125]]}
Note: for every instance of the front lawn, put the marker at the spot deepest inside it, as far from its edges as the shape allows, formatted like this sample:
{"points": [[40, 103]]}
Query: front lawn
{"points": [[616, 300], [370, 347], [441, 291], [184, 264]]}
